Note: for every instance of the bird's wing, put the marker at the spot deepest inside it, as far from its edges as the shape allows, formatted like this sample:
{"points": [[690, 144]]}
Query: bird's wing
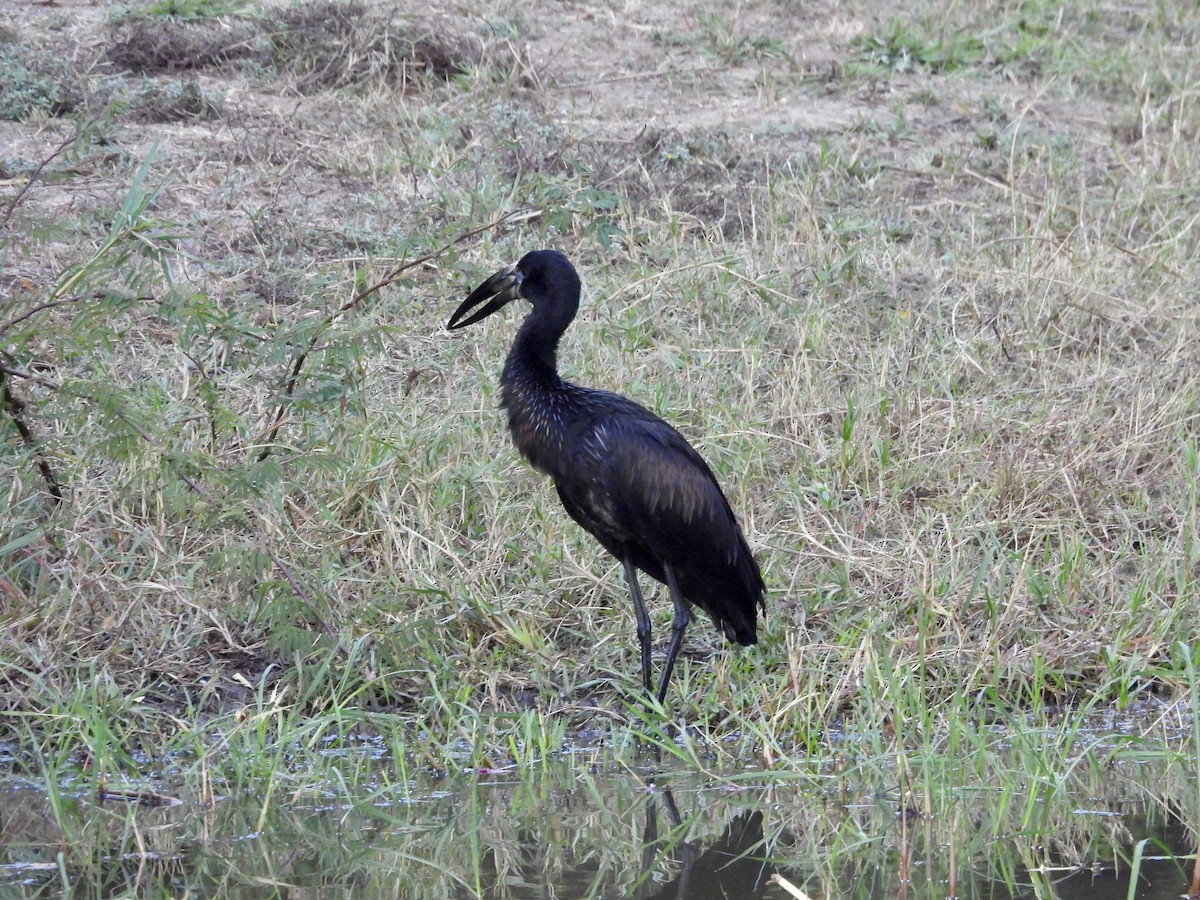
{"points": [[656, 491]]}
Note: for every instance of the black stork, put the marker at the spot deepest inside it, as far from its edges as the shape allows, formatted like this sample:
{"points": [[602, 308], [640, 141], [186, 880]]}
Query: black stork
{"points": [[624, 474]]}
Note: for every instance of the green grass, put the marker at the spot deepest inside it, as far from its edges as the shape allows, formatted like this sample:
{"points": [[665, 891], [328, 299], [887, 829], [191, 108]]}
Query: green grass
{"points": [[943, 364]]}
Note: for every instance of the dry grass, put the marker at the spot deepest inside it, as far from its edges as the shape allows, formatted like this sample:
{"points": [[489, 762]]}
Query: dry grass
{"points": [[939, 346], [155, 46], [315, 46], [329, 45]]}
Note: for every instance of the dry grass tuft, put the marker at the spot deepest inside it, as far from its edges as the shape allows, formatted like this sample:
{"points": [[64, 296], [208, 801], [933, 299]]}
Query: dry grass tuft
{"points": [[327, 45], [321, 45], [156, 46]]}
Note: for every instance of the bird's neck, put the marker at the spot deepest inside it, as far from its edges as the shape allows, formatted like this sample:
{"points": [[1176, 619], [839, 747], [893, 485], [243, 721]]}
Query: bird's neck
{"points": [[532, 392], [533, 359]]}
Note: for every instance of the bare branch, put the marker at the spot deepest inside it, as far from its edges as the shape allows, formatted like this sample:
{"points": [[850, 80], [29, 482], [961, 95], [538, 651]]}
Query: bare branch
{"points": [[34, 310], [15, 407], [294, 377], [37, 174]]}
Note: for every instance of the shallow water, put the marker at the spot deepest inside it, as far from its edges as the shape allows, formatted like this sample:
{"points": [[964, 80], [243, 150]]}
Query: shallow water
{"points": [[577, 826], [606, 835]]}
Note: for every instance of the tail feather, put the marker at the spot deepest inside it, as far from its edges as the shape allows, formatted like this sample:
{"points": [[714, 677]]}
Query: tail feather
{"points": [[732, 603], [744, 636]]}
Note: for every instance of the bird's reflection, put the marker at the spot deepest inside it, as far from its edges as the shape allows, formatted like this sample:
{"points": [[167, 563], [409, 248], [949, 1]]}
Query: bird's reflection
{"points": [[731, 866]]}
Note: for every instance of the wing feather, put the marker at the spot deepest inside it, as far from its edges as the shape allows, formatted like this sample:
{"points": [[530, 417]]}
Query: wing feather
{"points": [[643, 491], [663, 494]]}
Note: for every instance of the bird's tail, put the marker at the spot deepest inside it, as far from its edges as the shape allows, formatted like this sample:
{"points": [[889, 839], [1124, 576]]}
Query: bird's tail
{"points": [[741, 632], [732, 603], [731, 595]]}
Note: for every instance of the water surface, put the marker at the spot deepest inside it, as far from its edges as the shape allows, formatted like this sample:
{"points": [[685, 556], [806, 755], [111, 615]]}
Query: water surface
{"points": [[568, 827]]}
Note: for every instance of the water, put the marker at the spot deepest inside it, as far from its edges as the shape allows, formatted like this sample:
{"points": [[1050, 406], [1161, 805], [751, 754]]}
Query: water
{"points": [[568, 830]]}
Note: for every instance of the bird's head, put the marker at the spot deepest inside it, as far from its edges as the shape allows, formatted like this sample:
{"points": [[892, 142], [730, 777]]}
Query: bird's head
{"points": [[545, 278]]}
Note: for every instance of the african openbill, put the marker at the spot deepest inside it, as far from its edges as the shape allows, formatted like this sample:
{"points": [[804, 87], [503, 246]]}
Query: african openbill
{"points": [[622, 473]]}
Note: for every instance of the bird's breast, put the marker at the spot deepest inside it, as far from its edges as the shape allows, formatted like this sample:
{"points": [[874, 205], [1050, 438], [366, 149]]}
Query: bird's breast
{"points": [[535, 421]]}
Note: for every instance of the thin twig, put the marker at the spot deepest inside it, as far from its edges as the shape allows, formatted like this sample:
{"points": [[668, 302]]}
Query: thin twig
{"points": [[294, 376], [15, 407], [37, 174], [47, 383], [40, 307], [304, 595]]}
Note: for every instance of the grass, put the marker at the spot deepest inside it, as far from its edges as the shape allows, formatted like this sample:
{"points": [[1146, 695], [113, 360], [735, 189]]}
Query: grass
{"points": [[941, 357]]}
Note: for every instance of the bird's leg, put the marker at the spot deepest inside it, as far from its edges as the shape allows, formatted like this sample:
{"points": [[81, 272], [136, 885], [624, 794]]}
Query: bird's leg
{"points": [[678, 626], [643, 620]]}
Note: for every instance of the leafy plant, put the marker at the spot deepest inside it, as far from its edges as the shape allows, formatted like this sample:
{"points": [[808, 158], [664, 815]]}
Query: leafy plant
{"points": [[37, 81]]}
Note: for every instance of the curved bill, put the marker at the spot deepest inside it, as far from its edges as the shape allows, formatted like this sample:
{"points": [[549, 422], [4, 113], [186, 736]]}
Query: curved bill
{"points": [[501, 289]]}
